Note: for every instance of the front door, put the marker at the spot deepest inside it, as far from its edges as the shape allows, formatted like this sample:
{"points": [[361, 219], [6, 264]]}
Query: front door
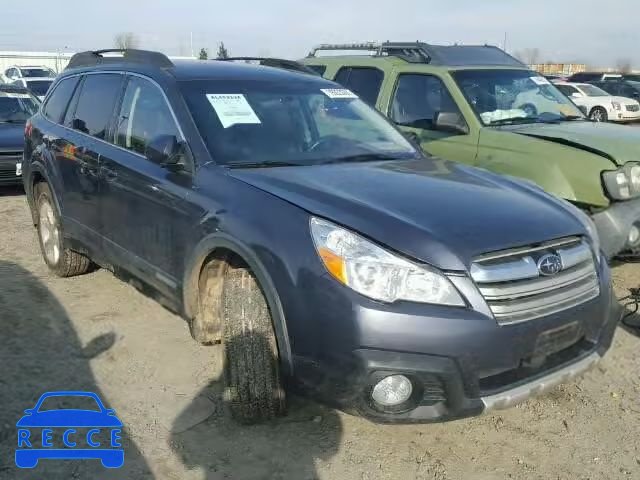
{"points": [[146, 216], [417, 101]]}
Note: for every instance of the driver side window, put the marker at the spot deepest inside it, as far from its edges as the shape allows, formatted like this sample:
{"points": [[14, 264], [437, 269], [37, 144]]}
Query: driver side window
{"points": [[144, 116], [418, 99]]}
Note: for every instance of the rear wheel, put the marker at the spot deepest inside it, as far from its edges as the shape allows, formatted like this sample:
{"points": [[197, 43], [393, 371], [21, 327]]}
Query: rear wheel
{"points": [[253, 386], [598, 114], [60, 260]]}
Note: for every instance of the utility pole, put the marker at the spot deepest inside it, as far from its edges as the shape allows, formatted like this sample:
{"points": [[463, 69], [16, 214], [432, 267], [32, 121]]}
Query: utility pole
{"points": [[191, 44], [504, 44]]}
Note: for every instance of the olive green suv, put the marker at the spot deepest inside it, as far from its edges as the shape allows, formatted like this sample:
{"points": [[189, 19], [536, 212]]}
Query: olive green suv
{"points": [[481, 106]]}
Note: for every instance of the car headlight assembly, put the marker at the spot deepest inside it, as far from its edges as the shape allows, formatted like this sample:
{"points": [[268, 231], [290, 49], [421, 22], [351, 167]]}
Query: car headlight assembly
{"points": [[623, 183], [616, 106], [589, 226], [377, 273]]}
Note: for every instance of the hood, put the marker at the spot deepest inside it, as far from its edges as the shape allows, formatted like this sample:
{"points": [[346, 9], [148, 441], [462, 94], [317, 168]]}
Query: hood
{"points": [[12, 136], [439, 212], [69, 418], [618, 143]]}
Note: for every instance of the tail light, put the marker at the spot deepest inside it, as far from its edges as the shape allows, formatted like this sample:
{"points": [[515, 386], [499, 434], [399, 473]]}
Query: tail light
{"points": [[28, 128]]}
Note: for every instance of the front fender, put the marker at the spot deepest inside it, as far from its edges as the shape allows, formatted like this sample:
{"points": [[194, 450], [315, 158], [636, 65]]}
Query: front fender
{"points": [[221, 240]]}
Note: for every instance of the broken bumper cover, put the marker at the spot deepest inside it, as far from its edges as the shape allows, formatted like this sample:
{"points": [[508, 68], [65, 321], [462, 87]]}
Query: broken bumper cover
{"points": [[519, 394], [614, 225]]}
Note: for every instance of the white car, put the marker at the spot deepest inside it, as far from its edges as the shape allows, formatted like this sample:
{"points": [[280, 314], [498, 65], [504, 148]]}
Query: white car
{"points": [[17, 72], [39, 86], [599, 105]]}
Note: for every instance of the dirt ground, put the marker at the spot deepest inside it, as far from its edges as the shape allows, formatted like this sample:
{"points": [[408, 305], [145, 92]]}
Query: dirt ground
{"points": [[98, 334]]}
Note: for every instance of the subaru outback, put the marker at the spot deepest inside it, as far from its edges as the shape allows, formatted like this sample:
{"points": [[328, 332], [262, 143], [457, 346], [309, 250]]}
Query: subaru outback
{"points": [[284, 218], [480, 106]]}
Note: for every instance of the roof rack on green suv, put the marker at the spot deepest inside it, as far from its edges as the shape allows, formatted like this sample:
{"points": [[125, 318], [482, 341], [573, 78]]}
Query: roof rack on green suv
{"points": [[477, 104]]}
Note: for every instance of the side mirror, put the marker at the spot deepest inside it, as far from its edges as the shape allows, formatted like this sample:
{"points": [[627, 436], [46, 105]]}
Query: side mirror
{"points": [[165, 150], [450, 122]]}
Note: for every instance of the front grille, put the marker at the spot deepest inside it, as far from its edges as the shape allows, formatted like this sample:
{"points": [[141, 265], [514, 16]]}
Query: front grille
{"points": [[516, 291], [632, 108]]}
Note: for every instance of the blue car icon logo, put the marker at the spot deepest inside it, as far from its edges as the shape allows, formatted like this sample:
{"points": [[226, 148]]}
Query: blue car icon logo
{"points": [[69, 433]]}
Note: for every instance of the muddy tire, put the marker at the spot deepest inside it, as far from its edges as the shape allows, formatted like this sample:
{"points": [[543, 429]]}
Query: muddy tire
{"points": [[60, 260], [254, 390], [598, 114]]}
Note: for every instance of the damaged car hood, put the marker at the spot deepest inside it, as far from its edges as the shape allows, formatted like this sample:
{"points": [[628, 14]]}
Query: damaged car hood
{"points": [[618, 143]]}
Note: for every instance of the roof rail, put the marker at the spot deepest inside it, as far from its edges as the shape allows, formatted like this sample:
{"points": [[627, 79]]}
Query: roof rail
{"points": [[420, 52], [274, 62], [129, 55]]}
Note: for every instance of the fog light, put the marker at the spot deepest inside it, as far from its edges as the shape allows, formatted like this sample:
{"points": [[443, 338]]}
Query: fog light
{"points": [[634, 236], [392, 391]]}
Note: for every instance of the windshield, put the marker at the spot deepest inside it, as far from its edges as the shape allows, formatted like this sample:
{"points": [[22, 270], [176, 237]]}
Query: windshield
{"points": [[39, 87], [69, 402], [37, 72], [17, 107], [514, 96], [299, 123], [593, 91]]}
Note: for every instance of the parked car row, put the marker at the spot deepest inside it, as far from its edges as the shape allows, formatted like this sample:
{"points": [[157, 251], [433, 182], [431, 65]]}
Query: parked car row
{"points": [[35, 78], [279, 214]]}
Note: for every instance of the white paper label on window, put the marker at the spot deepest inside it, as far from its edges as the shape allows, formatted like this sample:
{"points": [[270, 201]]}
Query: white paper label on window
{"points": [[540, 81], [232, 109], [338, 93]]}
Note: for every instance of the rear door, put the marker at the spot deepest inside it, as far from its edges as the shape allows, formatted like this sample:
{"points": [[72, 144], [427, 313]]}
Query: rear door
{"points": [[87, 120], [146, 215]]}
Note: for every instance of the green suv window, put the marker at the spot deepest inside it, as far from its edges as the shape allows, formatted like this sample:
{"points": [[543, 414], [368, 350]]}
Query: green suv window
{"points": [[363, 81], [418, 99]]}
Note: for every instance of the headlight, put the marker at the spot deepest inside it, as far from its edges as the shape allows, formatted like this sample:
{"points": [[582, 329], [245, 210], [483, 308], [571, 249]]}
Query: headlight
{"points": [[623, 183], [616, 106], [376, 273]]}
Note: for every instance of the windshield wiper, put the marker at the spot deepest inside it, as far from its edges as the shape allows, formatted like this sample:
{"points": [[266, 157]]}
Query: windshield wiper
{"points": [[262, 164], [365, 157], [514, 121]]}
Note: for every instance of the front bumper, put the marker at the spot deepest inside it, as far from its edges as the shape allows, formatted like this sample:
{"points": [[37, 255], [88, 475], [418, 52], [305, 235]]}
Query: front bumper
{"points": [[460, 365], [8, 166], [614, 225]]}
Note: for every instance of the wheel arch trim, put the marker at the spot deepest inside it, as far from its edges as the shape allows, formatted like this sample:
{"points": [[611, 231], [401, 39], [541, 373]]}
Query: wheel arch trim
{"points": [[225, 241]]}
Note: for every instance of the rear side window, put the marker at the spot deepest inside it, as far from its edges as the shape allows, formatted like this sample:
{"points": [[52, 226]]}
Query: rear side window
{"points": [[363, 81], [59, 99], [319, 69], [144, 116], [96, 103], [566, 89]]}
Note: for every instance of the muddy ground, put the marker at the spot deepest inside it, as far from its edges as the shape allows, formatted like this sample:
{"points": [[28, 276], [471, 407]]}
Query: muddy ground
{"points": [[96, 333]]}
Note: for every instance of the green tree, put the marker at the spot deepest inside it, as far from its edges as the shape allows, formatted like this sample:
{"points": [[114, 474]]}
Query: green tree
{"points": [[204, 54], [222, 51]]}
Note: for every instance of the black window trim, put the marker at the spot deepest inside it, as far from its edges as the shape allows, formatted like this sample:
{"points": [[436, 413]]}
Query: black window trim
{"points": [[124, 73], [368, 67], [395, 88]]}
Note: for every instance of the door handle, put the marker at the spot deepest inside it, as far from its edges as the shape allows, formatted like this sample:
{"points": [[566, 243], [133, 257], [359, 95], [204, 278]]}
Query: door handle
{"points": [[108, 173]]}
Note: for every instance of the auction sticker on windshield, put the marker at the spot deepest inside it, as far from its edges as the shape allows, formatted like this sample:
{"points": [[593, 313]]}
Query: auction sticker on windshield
{"points": [[338, 93], [232, 109], [540, 81]]}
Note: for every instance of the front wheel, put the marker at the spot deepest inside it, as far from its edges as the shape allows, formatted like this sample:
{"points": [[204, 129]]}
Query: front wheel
{"points": [[60, 260], [253, 386], [598, 114]]}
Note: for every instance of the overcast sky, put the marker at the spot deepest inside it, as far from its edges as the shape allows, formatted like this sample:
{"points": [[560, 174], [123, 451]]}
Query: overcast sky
{"points": [[596, 32]]}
